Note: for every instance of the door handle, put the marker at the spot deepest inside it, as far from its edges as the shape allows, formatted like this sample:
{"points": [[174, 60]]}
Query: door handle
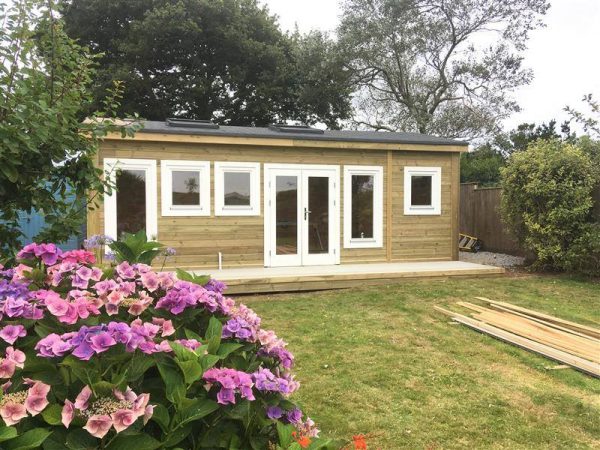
{"points": [[306, 213]]}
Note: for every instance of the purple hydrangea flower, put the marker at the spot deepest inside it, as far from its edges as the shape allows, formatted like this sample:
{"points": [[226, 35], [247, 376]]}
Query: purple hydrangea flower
{"points": [[48, 253], [184, 295], [97, 241], [267, 381], [231, 382], [294, 415], [274, 412]]}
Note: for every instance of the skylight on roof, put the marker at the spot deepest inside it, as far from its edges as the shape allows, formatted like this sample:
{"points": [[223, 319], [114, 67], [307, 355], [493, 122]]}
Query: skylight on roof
{"points": [[191, 123], [284, 128]]}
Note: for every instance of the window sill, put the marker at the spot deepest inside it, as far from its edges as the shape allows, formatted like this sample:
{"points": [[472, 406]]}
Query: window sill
{"points": [[363, 243]]}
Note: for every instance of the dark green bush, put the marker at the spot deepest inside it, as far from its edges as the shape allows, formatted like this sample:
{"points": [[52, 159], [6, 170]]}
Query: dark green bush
{"points": [[547, 203]]}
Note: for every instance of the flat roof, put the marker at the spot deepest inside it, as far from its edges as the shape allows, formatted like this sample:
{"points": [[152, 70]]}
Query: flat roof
{"points": [[384, 137]]}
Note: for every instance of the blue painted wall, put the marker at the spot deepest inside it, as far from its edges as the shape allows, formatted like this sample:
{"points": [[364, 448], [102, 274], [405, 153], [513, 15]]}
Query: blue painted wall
{"points": [[32, 224]]}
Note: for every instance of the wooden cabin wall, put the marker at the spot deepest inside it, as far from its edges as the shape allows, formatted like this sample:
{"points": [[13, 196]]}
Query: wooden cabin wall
{"points": [[240, 239]]}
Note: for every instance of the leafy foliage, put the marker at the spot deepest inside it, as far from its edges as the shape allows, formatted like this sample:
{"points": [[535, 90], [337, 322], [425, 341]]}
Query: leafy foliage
{"points": [[481, 166], [589, 120], [422, 65], [46, 153], [135, 248], [203, 59], [131, 358], [547, 203]]}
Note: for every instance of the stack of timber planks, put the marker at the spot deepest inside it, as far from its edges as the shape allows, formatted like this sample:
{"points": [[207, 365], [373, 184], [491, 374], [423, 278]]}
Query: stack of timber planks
{"points": [[567, 342]]}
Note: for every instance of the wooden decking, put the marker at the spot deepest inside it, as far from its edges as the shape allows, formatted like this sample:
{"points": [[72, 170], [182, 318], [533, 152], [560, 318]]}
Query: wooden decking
{"points": [[307, 278]]}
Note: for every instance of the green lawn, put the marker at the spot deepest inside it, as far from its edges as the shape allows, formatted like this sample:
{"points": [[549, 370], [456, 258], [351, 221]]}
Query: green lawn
{"points": [[380, 361]]}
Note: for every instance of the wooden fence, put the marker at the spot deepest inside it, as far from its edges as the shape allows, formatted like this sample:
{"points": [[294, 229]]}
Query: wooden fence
{"points": [[480, 217]]}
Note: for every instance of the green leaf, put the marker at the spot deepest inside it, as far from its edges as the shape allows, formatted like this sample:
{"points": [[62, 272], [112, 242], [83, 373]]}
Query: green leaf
{"points": [[7, 433], [189, 334], [285, 434], [175, 387], [30, 439], [227, 348], [133, 441], [52, 414], [161, 417], [183, 353], [138, 366], [103, 388], [192, 370], [199, 408], [79, 439], [9, 171], [208, 361], [178, 435], [213, 334]]}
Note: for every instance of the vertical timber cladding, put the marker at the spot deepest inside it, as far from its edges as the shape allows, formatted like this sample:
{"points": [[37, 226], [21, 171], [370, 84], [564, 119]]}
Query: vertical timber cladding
{"points": [[425, 237], [241, 239]]}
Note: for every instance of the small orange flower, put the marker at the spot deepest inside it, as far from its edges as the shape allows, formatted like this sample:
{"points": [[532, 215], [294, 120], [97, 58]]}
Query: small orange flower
{"points": [[304, 441], [359, 442]]}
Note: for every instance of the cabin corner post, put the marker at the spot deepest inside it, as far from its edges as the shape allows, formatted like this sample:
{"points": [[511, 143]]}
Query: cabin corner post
{"points": [[455, 202], [389, 204], [93, 200]]}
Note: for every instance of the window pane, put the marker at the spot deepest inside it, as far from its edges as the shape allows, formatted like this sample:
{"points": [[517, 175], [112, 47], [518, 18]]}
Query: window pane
{"points": [[421, 190], [286, 215], [131, 201], [362, 206], [186, 187], [318, 218], [237, 188]]}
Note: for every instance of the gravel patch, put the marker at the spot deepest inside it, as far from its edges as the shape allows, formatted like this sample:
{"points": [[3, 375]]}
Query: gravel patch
{"points": [[492, 259]]}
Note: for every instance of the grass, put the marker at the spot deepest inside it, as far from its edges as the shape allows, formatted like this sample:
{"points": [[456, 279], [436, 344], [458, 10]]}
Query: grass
{"points": [[380, 361]]}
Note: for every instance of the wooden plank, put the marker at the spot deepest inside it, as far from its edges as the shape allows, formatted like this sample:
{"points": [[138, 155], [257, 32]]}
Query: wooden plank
{"points": [[550, 324], [265, 285], [582, 346], [545, 335], [557, 355], [590, 331]]}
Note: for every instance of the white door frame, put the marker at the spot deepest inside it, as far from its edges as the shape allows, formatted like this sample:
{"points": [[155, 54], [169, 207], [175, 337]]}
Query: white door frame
{"points": [[303, 171], [110, 201]]}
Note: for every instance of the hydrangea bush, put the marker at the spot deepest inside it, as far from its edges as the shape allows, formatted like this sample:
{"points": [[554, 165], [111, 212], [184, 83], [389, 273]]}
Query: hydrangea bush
{"points": [[126, 357]]}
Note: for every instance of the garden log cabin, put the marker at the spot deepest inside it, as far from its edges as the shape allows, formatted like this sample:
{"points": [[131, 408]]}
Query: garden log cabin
{"points": [[283, 195]]}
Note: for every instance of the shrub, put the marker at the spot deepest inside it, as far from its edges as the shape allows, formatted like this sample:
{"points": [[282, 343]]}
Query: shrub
{"points": [[547, 203], [124, 356]]}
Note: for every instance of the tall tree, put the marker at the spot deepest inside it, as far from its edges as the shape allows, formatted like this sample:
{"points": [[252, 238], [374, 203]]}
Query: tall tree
{"points": [[225, 60], [443, 67], [46, 153]]}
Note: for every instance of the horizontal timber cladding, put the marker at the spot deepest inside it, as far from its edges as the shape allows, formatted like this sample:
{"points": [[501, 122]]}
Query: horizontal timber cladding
{"points": [[240, 239], [432, 237]]}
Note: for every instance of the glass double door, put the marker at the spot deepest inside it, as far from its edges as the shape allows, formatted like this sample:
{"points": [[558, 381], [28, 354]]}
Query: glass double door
{"points": [[301, 215]]}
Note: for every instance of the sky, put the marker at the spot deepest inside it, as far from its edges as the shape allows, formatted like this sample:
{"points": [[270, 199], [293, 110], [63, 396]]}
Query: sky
{"points": [[563, 55]]}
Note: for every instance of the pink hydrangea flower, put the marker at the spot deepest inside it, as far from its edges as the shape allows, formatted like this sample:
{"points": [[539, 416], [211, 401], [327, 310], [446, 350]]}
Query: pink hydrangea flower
{"points": [[15, 406], [13, 359], [68, 413], [10, 333], [79, 256], [103, 413], [98, 425], [150, 281]]}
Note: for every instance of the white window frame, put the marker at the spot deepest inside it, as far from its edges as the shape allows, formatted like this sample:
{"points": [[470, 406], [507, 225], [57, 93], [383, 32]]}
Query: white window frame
{"points": [[111, 165], [377, 240], [435, 209], [167, 167], [241, 167]]}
